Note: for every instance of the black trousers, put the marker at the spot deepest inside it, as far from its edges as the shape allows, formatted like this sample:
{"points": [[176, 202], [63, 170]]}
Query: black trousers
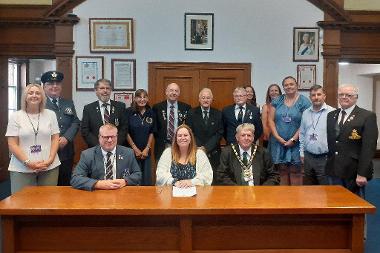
{"points": [[65, 170]]}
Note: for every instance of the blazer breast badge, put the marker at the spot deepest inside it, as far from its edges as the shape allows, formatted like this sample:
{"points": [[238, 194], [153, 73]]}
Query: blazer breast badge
{"points": [[354, 135]]}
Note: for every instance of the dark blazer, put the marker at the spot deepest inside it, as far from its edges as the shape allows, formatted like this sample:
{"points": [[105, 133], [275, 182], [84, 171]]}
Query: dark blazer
{"points": [[161, 124], [252, 115], [209, 135], [68, 123], [90, 168], [229, 170], [352, 148], [92, 120]]}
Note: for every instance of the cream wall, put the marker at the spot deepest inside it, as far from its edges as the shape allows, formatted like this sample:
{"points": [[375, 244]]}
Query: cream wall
{"points": [[360, 75], [256, 31]]}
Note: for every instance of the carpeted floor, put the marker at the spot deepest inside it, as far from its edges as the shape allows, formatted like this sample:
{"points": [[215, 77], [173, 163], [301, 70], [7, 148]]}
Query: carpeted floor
{"points": [[372, 244]]}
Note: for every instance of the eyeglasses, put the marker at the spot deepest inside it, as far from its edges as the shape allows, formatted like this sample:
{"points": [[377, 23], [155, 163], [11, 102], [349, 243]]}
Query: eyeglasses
{"points": [[344, 95], [239, 96], [106, 138]]}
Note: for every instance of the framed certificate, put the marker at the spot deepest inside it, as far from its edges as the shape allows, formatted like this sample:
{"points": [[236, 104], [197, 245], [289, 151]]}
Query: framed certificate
{"points": [[89, 69], [109, 35], [125, 97], [123, 74], [306, 76]]}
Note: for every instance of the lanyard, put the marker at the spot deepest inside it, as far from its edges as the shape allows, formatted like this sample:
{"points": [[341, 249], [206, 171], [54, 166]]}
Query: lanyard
{"points": [[35, 130], [312, 119]]}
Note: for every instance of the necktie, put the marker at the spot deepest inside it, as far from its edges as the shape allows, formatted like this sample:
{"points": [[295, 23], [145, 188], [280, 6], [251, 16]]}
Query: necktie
{"points": [[245, 158], [109, 166], [106, 113], [54, 100], [240, 115], [205, 117], [171, 123], [341, 122]]}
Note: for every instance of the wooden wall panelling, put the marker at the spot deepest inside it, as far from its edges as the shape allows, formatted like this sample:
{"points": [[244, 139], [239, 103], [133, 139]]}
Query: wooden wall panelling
{"points": [[4, 156]]}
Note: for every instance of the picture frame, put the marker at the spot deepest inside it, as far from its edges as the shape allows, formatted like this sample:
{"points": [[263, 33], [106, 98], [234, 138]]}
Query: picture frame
{"points": [[306, 44], [125, 97], [123, 74], [111, 35], [199, 31], [89, 69], [306, 76]]}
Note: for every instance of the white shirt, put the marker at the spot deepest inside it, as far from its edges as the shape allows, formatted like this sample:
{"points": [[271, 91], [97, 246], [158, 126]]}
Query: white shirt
{"points": [[113, 160], [102, 108], [348, 112], [249, 152], [20, 126], [237, 110]]}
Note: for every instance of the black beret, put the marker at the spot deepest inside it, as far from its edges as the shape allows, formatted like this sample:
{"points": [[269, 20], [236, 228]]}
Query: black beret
{"points": [[52, 76]]}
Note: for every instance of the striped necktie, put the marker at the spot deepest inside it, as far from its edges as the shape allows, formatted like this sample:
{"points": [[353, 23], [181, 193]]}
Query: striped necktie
{"points": [[109, 166]]}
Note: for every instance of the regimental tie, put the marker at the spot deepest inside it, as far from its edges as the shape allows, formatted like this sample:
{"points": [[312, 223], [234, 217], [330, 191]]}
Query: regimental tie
{"points": [[106, 113], [245, 158], [341, 122], [109, 166], [55, 103], [171, 123], [240, 115], [205, 116]]}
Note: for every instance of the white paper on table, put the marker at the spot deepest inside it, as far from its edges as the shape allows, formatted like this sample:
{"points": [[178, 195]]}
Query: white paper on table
{"points": [[184, 192]]}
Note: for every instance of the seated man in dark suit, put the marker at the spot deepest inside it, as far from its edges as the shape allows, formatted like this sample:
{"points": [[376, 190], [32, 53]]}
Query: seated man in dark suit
{"points": [[107, 166], [206, 123], [103, 111], [169, 115], [239, 113], [245, 163]]}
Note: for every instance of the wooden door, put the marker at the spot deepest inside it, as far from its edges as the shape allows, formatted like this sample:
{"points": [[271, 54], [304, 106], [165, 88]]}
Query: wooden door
{"points": [[221, 78]]}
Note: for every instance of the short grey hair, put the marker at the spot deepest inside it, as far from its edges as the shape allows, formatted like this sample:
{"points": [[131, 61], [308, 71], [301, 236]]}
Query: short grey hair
{"points": [[354, 87], [102, 80], [205, 90], [245, 126], [237, 89]]}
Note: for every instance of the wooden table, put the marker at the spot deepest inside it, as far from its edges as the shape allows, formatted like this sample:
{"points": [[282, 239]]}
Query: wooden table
{"points": [[317, 219]]}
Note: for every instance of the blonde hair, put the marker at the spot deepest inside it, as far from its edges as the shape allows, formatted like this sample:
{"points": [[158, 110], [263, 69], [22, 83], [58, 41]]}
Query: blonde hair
{"points": [[25, 91], [192, 150]]}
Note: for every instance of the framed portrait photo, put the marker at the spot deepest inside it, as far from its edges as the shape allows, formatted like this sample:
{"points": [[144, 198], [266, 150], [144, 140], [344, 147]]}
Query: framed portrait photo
{"points": [[306, 76], [199, 31], [110, 35], [89, 69], [123, 74], [125, 97], [306, 44]]}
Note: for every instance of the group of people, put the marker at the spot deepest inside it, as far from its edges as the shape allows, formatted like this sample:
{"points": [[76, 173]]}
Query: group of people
{"points": [[335, 146]]}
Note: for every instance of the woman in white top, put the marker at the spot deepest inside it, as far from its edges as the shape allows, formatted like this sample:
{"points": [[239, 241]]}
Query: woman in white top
{"points": [[183, 165], [33, 136]]}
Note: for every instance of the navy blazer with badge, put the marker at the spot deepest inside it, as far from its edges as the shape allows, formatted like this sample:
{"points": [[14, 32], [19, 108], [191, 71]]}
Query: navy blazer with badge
{"points": [[352, 148], [209, 135], [229, 170], [252, 115], [92, 120], [90, 168], [160, 134], [68, 123]]}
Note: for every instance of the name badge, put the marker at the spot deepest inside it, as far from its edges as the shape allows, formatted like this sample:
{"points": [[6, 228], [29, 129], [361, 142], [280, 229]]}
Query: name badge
{"points": [[313, 137], [35, 149], [286, 119]]}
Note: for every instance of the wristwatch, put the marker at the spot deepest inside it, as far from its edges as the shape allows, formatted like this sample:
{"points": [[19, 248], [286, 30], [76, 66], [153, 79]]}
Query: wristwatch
{"points": [[26, 162], [293, 140]]}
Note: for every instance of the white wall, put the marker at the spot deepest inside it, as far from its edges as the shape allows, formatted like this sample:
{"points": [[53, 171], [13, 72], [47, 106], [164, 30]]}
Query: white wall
{"points": [[255, 31], [360, 75]]}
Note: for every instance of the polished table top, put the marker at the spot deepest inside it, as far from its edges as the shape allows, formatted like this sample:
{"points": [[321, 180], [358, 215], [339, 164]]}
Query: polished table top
{"points": [[210, 200]]}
